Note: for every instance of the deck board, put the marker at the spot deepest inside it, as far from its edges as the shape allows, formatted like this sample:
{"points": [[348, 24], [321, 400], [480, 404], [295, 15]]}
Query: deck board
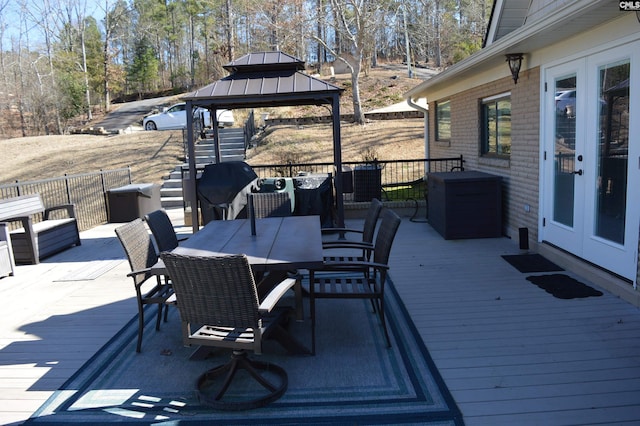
{"points": [[509, 352]]}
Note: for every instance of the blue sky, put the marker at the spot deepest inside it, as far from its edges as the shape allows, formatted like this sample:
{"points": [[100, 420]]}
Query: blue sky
{"points": [[11, 17]]}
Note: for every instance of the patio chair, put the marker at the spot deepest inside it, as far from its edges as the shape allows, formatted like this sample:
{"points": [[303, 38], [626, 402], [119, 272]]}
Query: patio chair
{"points": [[162, 229], [137, 244], [270, 204], [367, 232], [218, 297], [357, 279]]}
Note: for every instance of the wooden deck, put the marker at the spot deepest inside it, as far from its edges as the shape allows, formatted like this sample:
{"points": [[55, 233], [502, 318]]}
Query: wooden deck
{"points": [[509, 352]]}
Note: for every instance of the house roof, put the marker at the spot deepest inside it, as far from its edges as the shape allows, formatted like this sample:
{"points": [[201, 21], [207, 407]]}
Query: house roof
{"points": [[506, 16], [558, 24], [265, 79]]}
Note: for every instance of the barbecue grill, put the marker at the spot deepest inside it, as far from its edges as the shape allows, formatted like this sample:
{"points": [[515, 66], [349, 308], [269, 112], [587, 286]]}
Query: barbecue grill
{"points": [[222, 190]]}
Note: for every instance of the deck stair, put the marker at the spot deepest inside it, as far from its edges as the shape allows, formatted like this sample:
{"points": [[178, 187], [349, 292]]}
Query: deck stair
{"points": [[232, 148]]}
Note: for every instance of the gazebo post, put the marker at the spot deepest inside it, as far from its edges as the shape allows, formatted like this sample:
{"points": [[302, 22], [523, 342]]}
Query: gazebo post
{"points": [[191, 152], [337, 159], [216, 134]]}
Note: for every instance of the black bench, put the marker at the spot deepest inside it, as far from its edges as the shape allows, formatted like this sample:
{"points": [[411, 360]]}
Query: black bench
{"points": [[36, 240]]}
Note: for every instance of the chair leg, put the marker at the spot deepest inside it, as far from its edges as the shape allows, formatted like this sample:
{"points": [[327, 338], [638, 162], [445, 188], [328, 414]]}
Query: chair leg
{"points": [[312, 309], [297, 290], [382, 320], [166, 310], [240, 360], [140, 328], [159, 317]]}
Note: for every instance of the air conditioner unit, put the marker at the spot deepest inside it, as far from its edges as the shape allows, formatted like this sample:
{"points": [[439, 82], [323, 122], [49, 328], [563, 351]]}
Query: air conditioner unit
{"points": [[278, 184]]}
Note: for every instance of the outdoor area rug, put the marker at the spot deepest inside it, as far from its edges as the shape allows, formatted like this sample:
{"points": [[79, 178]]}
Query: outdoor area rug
{"points": [[353, 378], [563, 286], [528, 263]]}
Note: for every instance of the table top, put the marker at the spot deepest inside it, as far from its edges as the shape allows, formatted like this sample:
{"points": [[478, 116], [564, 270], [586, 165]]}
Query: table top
{"points": [[280, 243]]}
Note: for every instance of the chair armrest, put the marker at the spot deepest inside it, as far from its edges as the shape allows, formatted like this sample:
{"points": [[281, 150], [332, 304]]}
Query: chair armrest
{"points": [[338, 230], [355, 265], [24, 220], [272, 298], [138, 272], [70, 208], [347, 244]]}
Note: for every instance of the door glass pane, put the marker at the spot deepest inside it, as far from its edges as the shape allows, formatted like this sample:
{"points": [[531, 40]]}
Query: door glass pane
{"points": [[565, 149], [612, 153]]}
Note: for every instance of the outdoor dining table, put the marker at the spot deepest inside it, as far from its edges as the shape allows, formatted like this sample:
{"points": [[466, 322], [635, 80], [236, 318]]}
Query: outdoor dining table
{"points": [[279, 243]]}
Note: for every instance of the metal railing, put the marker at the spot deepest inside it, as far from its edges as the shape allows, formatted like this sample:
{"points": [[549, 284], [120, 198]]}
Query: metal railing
{"points": [[396, 179], [88, 192]]}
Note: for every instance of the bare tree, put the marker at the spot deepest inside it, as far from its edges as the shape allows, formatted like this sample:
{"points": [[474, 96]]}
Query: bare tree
{"points": [[229, 15], [43, 14], [112, 19], [354, 24], [79, 8]]}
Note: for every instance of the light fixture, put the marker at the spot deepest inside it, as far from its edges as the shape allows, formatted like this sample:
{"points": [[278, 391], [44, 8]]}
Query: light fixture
{"points": [[515, 61]]}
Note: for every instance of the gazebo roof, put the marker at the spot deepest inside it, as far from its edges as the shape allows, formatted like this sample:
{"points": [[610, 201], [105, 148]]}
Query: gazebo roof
{"points": [[265, 79]]}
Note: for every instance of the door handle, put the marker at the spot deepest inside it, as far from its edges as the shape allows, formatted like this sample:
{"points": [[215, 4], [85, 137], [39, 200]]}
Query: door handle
{"points": [[578, 172]]}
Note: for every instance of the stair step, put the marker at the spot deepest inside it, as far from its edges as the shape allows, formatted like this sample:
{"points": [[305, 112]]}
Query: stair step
{"points": [[173, 182], [168, 202], [170, 192]]}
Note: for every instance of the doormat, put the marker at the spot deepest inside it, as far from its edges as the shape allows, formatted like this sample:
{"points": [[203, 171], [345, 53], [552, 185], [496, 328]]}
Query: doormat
{"points": [[353, 378], [528, 263], [563, 286]]}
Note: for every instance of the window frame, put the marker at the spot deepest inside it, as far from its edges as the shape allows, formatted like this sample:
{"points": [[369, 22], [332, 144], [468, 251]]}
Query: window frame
{"points": [[438, 126], [485, 143]]}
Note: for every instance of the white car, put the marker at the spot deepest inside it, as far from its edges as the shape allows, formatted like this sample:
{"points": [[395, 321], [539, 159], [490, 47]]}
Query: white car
{"points": [[175, 117], [566, 103]]}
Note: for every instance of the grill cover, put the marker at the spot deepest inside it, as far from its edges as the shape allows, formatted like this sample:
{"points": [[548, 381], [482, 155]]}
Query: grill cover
{"points": [[314, 196], [222, 190]]}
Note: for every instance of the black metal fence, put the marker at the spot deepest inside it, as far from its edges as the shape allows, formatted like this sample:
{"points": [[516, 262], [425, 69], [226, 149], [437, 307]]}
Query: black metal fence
{"points": [[88, 192], [362, 180]]}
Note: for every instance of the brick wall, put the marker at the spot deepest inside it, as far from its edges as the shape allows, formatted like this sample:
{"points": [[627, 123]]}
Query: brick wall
{"points": [[521, 171]]}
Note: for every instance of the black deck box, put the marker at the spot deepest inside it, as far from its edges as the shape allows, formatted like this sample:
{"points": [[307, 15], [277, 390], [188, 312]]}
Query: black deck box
{"points": [[132, 201], [465, 204]]}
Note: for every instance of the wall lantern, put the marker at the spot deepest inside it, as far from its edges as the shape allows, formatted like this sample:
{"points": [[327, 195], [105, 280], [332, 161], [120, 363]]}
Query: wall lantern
{"points": [[515, 61]]}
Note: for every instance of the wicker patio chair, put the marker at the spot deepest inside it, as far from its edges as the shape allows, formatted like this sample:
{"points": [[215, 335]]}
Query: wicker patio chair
{"points": [[367, 232], [270, 204], [162, 229], [137, 244], [357, 279], [217, 296]]}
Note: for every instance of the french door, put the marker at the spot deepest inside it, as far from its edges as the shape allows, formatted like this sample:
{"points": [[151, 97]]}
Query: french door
{"points": [[589, 206]]}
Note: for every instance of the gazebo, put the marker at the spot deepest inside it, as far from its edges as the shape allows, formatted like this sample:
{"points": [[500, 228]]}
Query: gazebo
{"points": [[264, 79]]}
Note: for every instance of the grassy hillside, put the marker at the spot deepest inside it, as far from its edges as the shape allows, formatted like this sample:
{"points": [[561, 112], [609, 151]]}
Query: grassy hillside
{"points": [[152, 155]]}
